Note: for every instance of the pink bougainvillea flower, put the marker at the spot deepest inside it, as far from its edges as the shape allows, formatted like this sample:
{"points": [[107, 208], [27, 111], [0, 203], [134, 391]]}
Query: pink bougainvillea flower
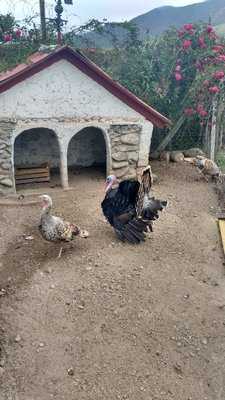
{"points": [[178, 68], [18, 33], [189, 111], [8, 37], [203, 113], [199, 108], [209, 29], [178, 76], [181, 33], [221, 57], [206, 83], [214, 89], [218, 48], [201, 42], [219, 75], [187, 44], [188, 27]]}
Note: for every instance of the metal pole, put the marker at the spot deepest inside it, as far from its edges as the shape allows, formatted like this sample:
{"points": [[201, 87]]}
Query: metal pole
{"points": [[43, 20], [59, 21]]}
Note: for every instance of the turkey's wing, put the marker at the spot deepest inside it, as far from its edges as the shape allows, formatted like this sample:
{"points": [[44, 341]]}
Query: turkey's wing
{"points": [[131, 229]]}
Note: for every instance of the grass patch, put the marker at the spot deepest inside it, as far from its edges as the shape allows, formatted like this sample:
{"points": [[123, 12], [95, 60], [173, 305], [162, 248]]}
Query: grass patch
{"points": [[220, 160]]}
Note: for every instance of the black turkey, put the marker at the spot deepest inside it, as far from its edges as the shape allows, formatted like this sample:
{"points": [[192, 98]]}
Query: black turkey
{"points": [[129, 207]]}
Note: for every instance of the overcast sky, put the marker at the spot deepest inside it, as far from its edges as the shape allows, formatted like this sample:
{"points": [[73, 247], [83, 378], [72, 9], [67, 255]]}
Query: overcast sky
{"points": [[82, 10]]}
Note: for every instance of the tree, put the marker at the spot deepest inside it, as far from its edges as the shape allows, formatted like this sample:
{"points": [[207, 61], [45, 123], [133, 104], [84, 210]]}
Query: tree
{"points": [[7, 24]]}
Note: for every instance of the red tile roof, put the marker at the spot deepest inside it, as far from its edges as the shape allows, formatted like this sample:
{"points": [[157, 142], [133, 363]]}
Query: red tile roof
{"points": [[39, 61]]}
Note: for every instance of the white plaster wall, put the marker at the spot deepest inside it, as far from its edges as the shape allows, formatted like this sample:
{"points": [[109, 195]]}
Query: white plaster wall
{"points": [[62, 91]]}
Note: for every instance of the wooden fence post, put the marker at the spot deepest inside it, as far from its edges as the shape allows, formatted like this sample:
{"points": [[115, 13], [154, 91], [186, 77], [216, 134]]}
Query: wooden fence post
{"points": [[213, 131]]}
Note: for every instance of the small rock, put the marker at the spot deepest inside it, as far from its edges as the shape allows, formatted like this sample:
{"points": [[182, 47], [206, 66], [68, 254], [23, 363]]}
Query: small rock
{"points": [[205, 341], [18, 338], [194, 152], [179, 344], [41, 345], [120, 156], [2, 362], [29, 237], [178, 368], [176, 156], [130, 138], [6, 182], [186, 296], [155, 178], [2, 292], [7, 166], [52, 286], [70, 371], [121, 172], [154, 155], [165, 156]]}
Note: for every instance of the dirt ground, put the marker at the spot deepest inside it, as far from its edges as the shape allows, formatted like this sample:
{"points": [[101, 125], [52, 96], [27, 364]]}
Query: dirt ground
{"points": [[108, 320]]}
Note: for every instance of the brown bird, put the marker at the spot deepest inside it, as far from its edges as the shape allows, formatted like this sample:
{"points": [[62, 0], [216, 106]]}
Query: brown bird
{"points": [[55, 229]]}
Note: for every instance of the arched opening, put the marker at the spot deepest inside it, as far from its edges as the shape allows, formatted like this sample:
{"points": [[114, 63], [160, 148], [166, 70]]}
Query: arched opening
{"points": [[87, 153], [36, 159]]}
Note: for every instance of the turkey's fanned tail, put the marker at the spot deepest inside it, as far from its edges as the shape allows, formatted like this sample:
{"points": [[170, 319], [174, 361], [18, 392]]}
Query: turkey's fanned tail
{"points": [[144, 189]]}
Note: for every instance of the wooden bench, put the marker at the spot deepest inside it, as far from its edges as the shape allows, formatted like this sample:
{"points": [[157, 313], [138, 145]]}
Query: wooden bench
{"points": [[33, 174]]}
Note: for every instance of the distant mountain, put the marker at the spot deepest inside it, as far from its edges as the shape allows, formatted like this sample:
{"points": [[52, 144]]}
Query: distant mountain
{"points": [[158, 20]]}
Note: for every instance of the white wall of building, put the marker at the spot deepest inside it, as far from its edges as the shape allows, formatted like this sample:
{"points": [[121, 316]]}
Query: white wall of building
{"points": [[62, 91]]}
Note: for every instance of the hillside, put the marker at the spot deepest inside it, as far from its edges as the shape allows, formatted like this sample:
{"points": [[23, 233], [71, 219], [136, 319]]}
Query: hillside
{"points": [[158, 20], [220, 29]]}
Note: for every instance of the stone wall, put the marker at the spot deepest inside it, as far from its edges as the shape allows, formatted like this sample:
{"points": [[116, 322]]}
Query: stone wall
{"points": [[125, 142], [6, 174], [118, 146]]}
